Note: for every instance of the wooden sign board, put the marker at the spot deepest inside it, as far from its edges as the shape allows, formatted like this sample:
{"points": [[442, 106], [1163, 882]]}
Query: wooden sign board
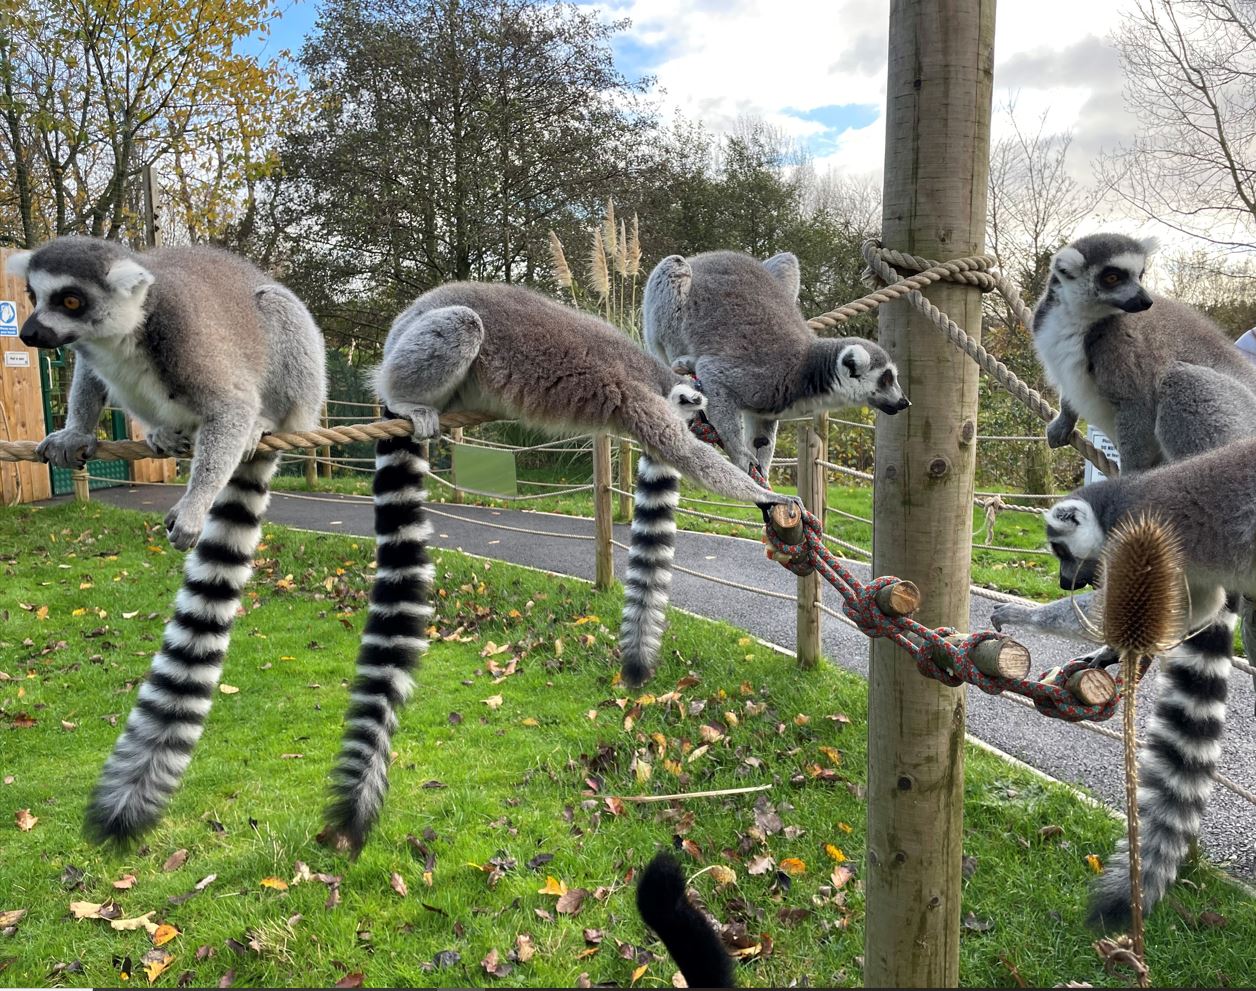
{"points": [[21, 398]]}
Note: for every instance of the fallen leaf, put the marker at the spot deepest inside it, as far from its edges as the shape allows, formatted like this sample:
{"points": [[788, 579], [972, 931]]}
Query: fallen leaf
{"points": [[691, 848], [571, 902], [524, 948], [446, 958], [279, 884], [494, 966], [636, 974], [835, 853], [144, 921], [164, 934], [974, 924], [25, 821], [613, 805], [840, 876], [494, 702], [125, 882], [1051, 832], [352, 980], [12, 917], [1094, 863], [793, 866], [227, 979], [553, 886], [228, 689], [398, 884], [175, 861], [155, 963], [1212, 919], [723, 876], [760, 865]]}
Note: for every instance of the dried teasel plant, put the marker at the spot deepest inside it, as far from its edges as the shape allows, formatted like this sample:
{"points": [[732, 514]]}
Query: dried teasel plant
{"points": [[1144, 614]]}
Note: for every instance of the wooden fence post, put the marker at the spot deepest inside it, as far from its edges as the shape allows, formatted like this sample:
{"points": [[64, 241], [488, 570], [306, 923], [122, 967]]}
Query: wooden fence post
{"points": [[326, 465], [455, 437], [811, 478], [82, 485], [625, 479], [604, 572], [937, 152]]}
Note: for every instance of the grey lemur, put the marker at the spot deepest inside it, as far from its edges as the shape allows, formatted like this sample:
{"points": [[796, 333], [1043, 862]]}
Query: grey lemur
{"points": [[1159, 378], [509, 351], [1210, 500], [204, 348], [734, 322]]}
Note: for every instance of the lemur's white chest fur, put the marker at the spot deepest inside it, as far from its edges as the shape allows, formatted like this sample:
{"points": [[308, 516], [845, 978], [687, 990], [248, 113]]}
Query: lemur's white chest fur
{"points": [[133, 382], [847, 394], [1060, 340]]}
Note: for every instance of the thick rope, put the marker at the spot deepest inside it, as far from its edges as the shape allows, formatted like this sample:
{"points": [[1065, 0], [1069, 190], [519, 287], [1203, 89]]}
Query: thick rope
{"points": [[138, 450]]}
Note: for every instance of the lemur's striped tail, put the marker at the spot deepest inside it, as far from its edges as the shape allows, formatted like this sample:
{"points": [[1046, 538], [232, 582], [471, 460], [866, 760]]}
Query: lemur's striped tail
{"points": [[169, 714], [393, 641], [650, 552], [1176, 766]]}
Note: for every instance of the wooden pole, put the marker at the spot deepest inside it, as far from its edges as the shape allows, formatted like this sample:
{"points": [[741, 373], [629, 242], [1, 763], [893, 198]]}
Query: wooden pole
{"points": [[937, 145], [455, 437], [625, 479], [326, 451], [604, 572], [811, 491], [152, 206], [82, 485]]}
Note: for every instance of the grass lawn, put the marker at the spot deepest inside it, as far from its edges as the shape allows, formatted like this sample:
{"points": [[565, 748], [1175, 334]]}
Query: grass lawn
{"points": [[1033, 575], [500, 782]]}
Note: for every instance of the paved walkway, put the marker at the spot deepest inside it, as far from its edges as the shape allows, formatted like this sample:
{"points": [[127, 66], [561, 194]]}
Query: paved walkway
{"points": [[1061, 750]]}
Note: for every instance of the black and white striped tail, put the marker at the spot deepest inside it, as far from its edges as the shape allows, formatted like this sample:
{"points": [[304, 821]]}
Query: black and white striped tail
{"points": [[649, 578], [689, 937], [1176, 767], [392, 643], [169, 714]]}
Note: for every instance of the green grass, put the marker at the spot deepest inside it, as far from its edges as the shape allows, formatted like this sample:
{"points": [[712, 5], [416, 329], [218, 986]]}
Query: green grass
{"points": [[1033, 575], [527, 778]]}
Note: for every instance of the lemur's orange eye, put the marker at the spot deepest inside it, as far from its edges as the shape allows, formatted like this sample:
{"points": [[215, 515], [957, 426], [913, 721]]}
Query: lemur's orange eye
{"points": [[71, 302], [1111, 279]]}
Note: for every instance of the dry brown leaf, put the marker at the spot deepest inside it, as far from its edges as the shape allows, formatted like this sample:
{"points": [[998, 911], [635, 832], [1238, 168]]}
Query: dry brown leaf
{"points": [[760, 865], [175, 860], [571, 902], [164, 934], [228, 689], [125, 882], [494, 702], [524, 948], [353, 980], [636, 974], [723, 876], [12, 917], [398, 884], [25, 821], [144, 921], [155, 963], [279, 884]]}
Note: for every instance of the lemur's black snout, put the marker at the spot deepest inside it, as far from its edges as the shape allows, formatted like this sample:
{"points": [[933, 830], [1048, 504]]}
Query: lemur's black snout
{"points": [[890, 408], [37, 334], [1138, 302]]}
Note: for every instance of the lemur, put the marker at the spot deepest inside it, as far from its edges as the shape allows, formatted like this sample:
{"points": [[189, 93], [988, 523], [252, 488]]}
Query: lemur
{"points": [[734, 323], [1210, 500], [513, 352], [691, 940], [209, 351], [1158, 377]]}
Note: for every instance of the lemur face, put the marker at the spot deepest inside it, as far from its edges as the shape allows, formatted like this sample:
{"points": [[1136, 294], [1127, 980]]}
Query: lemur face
{"points": [[1077, 541], [81, 290], [1102, 274], [866, 370]]}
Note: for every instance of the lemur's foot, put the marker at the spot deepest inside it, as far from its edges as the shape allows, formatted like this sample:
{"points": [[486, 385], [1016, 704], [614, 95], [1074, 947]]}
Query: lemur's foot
{"points": [[1060, 431], [183, 526], [169, 442], [1104, 657], [426, 420], [686, 364], [67, 448]]}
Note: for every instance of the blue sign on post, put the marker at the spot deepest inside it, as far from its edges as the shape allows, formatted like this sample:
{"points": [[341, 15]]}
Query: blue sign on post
{"points": [[8, 318]]}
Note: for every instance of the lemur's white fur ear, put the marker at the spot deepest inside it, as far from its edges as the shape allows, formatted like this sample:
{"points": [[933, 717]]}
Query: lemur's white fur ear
{"points": [[854, 360], [128, 276], [675, 272], [1150, 246], [1068, 262], [784, 268], [17, 264]]}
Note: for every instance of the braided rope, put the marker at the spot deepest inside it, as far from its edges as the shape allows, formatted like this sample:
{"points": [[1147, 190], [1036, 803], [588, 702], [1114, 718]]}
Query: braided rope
{"points": [[138, 450]]}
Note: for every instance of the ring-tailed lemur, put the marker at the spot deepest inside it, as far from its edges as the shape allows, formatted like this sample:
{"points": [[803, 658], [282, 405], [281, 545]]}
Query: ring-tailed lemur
{"points": [[1210, 500], [510, 351], [202, 346], [695, 946], [1159, 378], [734, 323]]}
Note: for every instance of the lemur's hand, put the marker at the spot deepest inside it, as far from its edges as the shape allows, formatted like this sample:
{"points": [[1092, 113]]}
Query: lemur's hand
{"points": [[67, 448], [1060, 431], [169, 442], [183, 526]]}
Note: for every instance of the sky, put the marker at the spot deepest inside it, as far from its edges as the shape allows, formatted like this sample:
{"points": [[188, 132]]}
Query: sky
{"points": [[816, 68]]}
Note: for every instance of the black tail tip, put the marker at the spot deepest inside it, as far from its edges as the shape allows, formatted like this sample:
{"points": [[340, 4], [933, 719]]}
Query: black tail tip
{"points": [[343, 831], [114, 831], [1108, 913], [660, 889], [635, 672]]}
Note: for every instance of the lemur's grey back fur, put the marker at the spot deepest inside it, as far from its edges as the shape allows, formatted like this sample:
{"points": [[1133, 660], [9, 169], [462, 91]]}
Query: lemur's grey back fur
{"points": [[205, 349], [510, 351]]}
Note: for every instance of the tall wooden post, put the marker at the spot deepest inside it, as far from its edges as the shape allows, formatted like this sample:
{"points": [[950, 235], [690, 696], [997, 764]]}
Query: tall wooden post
{"points": [[937, 144], [326, 451], [604, 571], [455, 437], [811, 491], [625, 479], [152, 207]]}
